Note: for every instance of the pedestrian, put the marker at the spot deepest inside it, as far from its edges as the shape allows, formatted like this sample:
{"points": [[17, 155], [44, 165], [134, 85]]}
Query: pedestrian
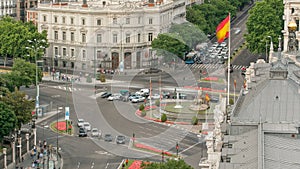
{"points": [[126, 161]]}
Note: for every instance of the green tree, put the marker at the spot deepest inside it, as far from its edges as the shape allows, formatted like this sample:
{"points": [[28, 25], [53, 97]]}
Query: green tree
{"points": [[170, 46], [169, 164], [21, 106], [163, 117], [265, 20], [8, 120], [189, 33], [14, 39]]}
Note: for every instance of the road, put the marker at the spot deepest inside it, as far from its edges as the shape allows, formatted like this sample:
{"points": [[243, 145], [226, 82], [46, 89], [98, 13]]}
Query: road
{"points": [[116, 118]]}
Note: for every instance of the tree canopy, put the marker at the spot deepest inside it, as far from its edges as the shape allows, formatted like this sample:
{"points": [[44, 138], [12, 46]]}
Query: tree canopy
{"points": [[8, 120], [14, 39], [170, 164], [265, 20], [170, 46]]}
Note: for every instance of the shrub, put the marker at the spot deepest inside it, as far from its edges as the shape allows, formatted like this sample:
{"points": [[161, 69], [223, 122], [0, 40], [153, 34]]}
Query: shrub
{"points": [[142, 107], [102, 78], [143, 113], [163, 117], [157, 103], [194, 120], [231, 101], [89, 79]]}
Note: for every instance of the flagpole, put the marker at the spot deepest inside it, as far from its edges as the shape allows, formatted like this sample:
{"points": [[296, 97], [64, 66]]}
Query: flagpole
{"points": [[228, 65], [160, 95], [150, 98]]}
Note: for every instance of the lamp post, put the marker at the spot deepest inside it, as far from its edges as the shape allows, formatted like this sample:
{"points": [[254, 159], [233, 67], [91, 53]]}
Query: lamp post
{"points": [[58, 109], [36, 47]]}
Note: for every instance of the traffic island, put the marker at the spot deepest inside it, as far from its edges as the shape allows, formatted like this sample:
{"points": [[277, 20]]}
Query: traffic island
{"points": [[62, 127]]}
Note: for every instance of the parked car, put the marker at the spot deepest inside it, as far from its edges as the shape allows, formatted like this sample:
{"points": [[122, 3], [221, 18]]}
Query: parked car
{"points": [[155, 96], [95, 132], [108, 137], [82, 132], [120, 139], [143, 92], [116, 96], [80, 122], [87, 126], [152, 70], [106, 95], [137, 99]]}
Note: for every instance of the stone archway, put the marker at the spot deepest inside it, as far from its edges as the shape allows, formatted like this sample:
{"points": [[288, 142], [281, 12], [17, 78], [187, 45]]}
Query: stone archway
{"points": [[115, 60], [127, 60]]}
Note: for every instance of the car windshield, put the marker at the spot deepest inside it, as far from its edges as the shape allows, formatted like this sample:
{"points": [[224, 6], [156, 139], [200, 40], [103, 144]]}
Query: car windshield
{"points": [[121, 137], [94, 130]]}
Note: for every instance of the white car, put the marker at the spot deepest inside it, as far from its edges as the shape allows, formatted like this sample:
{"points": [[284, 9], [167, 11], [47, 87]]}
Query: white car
{"points": [[95, 132], [223, 44], [87, 126], [154, 97], [137, 99], [80, 122], [116, 96]]}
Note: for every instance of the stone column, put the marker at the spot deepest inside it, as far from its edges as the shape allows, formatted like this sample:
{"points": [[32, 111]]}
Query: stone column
{"points": [[27, 142], [13, 156], [20, 148], [4, 159]]}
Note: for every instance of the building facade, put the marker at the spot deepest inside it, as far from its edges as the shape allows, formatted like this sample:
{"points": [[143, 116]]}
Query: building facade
{"points": [[104, 34], [8, 7]]}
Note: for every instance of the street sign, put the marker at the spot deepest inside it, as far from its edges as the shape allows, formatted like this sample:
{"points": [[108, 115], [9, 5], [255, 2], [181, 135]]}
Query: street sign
{"points": [[67, 113]]}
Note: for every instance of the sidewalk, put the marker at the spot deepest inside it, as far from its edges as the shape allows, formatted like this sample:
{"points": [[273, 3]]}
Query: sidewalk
{"points": [[47, 158]]}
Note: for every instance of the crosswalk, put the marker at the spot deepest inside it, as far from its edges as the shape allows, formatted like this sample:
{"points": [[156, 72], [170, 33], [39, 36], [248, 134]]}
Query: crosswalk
{"points": [[213, 66], [69, 89]]}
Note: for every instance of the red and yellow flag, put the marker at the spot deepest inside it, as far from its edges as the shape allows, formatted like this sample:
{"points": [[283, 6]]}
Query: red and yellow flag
{"points": [[207, 98], [222, 31]]}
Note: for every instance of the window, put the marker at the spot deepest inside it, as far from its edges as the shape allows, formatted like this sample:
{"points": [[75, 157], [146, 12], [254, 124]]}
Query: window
{"points": [[98, 22], [99, 38], [115, 38], [63, 19], [72, 21], [83, 22], [114, 20], [64, 36], [72, 52], [139, 37], [55, 35], [139, 20], [98, 54], [83, 55], [55, 51], [45, 18], [72, 36], [64, 52], [127, 20], [55, 19], [127, 40], [83, 38], [150, 21], [150, 37]]}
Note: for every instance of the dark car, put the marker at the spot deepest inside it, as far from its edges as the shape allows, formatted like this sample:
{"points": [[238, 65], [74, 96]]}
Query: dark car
{"points": [[181, 96], [152, 70], [120, 139], [106, 95], [108, 137], [82, 132]]}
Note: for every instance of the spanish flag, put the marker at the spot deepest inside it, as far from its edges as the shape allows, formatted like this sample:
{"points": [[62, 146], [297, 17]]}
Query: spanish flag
{"points": [[222, 31]]}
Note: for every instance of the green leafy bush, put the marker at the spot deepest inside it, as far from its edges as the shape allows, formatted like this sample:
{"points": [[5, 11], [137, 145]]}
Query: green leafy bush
{"points": [[143, 113], [194, 120], [231, 101], [142, 107], [163, 117], [102, 78], [157, 103]]}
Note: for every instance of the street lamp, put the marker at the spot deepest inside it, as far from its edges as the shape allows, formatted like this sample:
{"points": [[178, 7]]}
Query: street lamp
{"points": [[58, 109], [36, 47]]}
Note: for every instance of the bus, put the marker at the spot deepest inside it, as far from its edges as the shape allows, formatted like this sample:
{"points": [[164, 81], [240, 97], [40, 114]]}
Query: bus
{"points": [[190, 58]]}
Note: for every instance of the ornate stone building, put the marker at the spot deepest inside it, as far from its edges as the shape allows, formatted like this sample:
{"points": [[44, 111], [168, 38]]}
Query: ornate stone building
{"points": [[7, 7], [106, 34]]}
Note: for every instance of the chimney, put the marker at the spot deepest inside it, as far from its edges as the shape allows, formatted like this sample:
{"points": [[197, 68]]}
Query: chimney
{"points": [[84, 4]]}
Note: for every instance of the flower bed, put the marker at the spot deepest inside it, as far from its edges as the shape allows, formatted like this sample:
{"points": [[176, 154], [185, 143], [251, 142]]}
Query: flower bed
{"points": [[61, 126], [135, 164], [145, 147], [211, 79]]}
